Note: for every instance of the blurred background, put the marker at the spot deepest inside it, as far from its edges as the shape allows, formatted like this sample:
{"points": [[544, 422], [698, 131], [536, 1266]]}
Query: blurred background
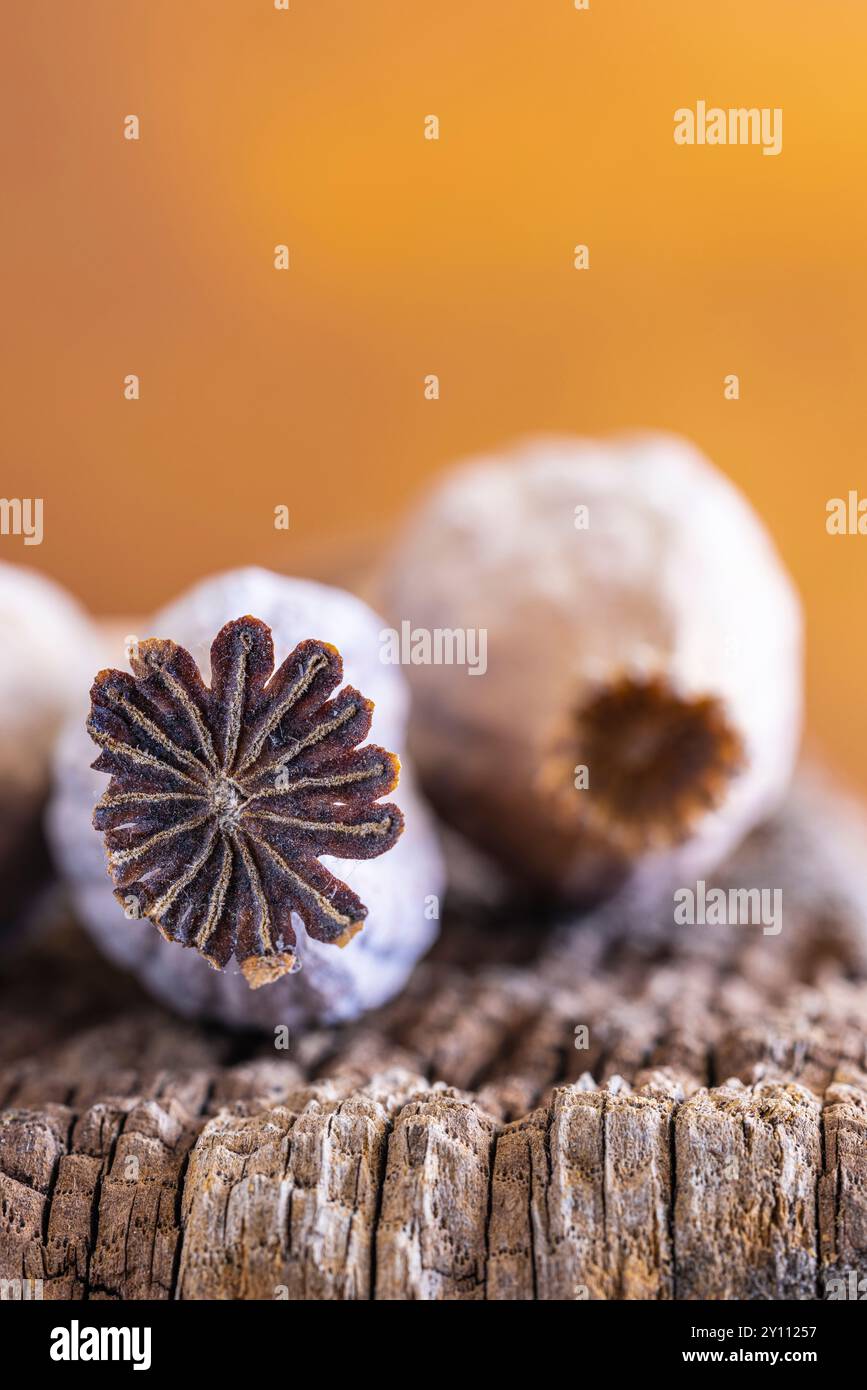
{"points": [[410, 257]]}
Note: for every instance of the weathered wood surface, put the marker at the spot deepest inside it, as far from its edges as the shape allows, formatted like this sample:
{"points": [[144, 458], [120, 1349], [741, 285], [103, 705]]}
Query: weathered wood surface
{"points": [[711, 1142]]}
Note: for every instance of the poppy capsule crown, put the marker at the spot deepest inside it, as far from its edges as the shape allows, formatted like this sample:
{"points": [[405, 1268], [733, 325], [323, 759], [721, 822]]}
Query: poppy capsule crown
{"points": [[223, 798]]}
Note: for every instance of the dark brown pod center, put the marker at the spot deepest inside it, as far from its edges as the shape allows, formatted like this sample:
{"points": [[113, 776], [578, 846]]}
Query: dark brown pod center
{"points": [[657, 762]]}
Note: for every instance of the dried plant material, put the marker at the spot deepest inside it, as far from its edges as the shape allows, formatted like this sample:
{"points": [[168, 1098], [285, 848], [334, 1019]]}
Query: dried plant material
{"points": [[401, 889], [223, 799], [706, 1138], [661, 762], [47, 654], [641, 705]]}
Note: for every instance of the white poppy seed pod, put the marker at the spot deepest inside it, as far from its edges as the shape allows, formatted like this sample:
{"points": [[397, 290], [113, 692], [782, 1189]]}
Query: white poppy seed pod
{"points": [[46, 658], [400, 890], [640, 703]]}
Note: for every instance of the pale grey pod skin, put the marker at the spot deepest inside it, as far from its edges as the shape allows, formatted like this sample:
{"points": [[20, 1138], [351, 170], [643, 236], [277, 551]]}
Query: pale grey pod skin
{"points": [[47, 646], [402, 889], [47, 653], [674, 579]]}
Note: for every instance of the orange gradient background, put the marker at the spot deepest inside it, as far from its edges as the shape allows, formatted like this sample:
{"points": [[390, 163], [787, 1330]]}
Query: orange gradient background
{"points": [[411, 257]]}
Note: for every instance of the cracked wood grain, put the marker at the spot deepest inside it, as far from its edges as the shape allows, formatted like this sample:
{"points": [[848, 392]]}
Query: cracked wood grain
{"points": [[431, 1239], [400, 1190], [748, 1165], [710, 1142], [842, 1196]]}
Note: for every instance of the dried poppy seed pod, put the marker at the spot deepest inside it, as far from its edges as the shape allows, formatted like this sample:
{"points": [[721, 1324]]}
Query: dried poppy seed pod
{"points": [[246, 846], [47, 651], [641, 706]]}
